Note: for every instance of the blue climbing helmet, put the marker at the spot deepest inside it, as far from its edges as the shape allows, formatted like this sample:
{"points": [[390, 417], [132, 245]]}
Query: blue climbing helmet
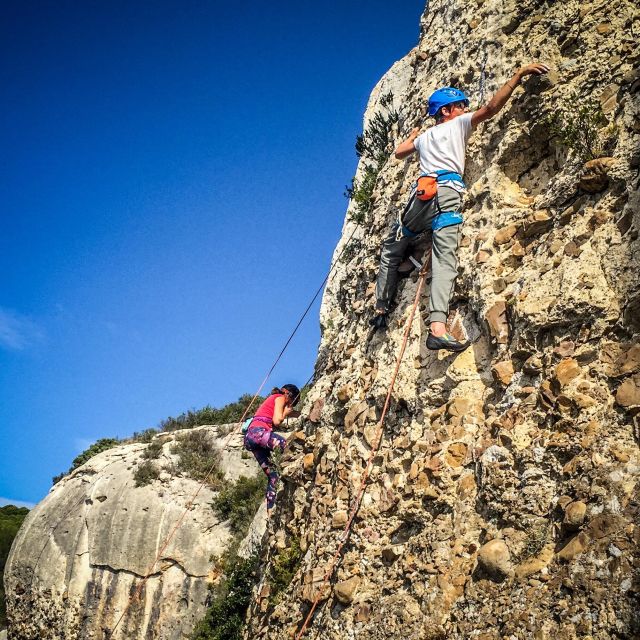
{"points": [[443, 97]]}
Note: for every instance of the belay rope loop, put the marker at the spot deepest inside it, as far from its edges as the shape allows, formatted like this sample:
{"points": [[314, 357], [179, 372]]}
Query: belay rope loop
{"points": [[374, 450], [138, 589]]}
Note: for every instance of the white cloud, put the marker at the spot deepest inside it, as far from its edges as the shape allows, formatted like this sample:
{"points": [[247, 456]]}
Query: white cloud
{"points": [[16, 503], [16, 331]]}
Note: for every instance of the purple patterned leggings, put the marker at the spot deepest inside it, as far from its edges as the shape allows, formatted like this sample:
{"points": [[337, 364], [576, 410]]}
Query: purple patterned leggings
{"points": [[261, 442]]}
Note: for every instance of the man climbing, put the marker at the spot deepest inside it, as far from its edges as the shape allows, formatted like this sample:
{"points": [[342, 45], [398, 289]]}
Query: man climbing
{"points": [[435, 202]]}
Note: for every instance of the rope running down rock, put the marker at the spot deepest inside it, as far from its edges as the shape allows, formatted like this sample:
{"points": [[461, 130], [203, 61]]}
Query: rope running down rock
{"points": [[374, 450]]}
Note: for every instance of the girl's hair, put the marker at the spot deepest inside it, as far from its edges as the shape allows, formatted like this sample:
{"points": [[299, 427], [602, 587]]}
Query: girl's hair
{"points": [[291, 389]]}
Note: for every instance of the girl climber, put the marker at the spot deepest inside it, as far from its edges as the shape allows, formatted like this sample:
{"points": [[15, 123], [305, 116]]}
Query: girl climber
{"points": [[260, 438]]}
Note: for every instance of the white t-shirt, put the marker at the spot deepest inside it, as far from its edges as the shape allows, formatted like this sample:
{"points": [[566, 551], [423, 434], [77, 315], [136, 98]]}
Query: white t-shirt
{"points": [[443, 146]]}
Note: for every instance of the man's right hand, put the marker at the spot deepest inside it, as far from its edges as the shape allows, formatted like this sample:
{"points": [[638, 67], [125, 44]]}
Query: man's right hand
{"points": [[535, 68], [504, 93], [406, 148]]}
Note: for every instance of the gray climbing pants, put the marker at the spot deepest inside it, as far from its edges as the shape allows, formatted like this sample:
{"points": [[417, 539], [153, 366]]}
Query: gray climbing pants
{"points": [[418, 217]]}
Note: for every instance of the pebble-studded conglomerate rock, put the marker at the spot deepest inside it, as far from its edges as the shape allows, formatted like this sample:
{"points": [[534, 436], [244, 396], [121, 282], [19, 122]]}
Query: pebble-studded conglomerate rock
{"points": [[83, 551], [503, 501]]}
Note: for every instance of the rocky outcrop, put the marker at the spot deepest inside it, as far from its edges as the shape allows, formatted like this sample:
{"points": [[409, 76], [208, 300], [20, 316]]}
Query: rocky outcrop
{"points": [[84, 549], [503, 502]]}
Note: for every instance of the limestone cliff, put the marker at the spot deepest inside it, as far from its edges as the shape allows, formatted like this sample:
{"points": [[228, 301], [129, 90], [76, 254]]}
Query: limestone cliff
{"points": [[82, 551], [503, 500]]}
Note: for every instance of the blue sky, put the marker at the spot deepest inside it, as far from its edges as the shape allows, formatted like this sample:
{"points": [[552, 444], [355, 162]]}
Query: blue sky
{"points": [[170, 195]]}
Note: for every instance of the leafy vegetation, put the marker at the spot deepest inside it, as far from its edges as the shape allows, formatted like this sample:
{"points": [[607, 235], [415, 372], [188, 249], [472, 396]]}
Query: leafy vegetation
{"points": [[154, 450], [578, 125], [231, 597], [198, 457], [146, 472], [351, 250], [231, 412], [97, 447], [283, 568], [230, 600], [361, 193], [376, 140], [373, 146], [239, 502], [11, 519], [145, 436]]}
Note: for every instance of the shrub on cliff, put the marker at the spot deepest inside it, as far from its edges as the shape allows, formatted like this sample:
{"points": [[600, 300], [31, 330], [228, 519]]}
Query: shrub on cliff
{"points": [[230, 599], [146, 472], [283, 568], [581, 126], [198, 457], [373, 146], [239, 502], [97, 447], [231, 412], [229, 603]]}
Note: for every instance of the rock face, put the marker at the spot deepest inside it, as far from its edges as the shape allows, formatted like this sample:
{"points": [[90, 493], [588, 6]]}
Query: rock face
{"points": [[85, 547], [503, 501]]}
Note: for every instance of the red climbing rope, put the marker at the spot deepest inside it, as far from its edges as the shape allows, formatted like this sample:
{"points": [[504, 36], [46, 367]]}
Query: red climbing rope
{"points": [[167, 541], [374, 450]]}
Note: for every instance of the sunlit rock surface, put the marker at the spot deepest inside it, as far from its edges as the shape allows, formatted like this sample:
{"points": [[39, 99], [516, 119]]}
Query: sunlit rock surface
{"points": [[503, 502]]}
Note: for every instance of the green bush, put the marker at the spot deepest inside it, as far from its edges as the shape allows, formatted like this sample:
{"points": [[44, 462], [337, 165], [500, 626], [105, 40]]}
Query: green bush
{"points": [[154, 450], [239, 502], [230, 600], [101, 445], [145, 436], [11, 519], [283, 568], [231, 412], [198, 457], [578, 125], [361, 194], [145, 473], [374, 147], [375, 142]]}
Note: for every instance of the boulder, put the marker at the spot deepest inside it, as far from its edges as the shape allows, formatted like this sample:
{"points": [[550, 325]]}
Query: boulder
{"points": [[628, 393], [96, 533], [595, 175], [495, 558], [345, 589]]}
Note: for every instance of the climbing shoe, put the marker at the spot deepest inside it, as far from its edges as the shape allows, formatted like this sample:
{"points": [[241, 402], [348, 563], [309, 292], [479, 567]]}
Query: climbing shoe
{"points": [[447, 341], [380, 320]]}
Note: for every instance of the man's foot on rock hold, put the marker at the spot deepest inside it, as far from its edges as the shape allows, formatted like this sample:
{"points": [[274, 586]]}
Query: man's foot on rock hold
{"points": [[380, 320], [447, 341]]}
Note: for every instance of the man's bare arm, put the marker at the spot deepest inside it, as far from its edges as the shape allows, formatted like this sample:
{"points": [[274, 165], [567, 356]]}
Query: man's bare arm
{"points": [[504, 93], [406, 148]]}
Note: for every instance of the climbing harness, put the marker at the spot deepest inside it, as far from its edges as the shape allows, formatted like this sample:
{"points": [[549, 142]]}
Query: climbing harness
{"points": [[374, 450], [138, 590], [426, 189]]}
